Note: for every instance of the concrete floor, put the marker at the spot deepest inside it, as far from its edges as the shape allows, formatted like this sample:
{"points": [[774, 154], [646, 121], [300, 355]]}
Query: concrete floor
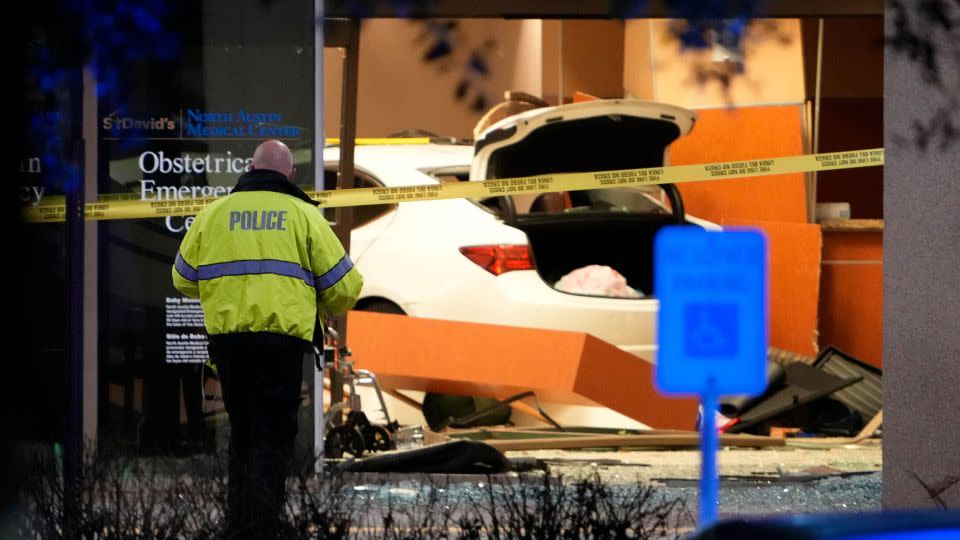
{"points": [[685, 464], [753, 481]]}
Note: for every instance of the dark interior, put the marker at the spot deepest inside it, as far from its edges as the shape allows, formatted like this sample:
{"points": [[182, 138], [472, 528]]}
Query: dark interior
{"points": [[562, 243], [600, 143]]}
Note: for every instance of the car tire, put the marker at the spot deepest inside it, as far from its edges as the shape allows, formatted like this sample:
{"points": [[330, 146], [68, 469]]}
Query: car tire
{"points": [[436, 406]]}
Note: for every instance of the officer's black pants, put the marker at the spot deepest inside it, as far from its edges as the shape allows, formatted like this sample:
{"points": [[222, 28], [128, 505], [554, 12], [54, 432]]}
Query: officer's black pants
{"points": [[261, 391]]}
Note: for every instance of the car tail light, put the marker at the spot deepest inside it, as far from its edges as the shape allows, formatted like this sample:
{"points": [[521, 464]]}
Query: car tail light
{"points": [[500, 259]]}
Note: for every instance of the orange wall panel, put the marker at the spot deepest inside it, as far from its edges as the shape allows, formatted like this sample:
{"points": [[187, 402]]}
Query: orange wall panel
{"points": [[497, 361], [852, 246], [776, 204], [636, 396], [794, 251], [730, 134], [851, 299]]}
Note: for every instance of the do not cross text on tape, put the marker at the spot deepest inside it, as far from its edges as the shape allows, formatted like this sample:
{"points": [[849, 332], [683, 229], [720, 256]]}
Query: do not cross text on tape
{"points": [[126, 206]]}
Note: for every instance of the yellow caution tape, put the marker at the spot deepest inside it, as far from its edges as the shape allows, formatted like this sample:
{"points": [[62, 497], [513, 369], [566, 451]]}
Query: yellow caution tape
{"points": [[126, 208]]}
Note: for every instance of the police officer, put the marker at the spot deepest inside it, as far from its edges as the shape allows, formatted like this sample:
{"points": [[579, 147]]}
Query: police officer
{"points": [[263, 261]]}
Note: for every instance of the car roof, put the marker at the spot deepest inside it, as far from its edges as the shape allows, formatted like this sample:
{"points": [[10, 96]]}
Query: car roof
{"points": [[382, 160]]}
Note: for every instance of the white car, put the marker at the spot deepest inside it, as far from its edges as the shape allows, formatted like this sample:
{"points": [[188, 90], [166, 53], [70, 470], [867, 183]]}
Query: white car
{"points": [[497, 260]]}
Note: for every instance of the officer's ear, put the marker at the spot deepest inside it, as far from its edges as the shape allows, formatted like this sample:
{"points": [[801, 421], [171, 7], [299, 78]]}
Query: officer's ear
{"points": [[293, 173]]}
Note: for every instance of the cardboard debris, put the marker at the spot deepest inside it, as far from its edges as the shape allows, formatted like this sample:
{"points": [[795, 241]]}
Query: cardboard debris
{"points": [[527, 441]]}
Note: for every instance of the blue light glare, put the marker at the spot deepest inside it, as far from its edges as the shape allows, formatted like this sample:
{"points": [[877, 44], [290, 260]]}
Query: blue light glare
{"points": [[938, 534]]}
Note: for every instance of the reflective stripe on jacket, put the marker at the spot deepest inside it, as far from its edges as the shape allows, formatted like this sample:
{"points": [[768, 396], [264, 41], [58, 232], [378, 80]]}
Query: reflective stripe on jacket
{"points": [[264, 259]]}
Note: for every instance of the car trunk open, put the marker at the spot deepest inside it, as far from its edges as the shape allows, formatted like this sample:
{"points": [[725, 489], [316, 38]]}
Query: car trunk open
{"points": [[589, 233], [624, 242]]}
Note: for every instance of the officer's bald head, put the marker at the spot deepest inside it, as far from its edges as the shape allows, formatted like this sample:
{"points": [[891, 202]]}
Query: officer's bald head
{"points": [[274, 155]]}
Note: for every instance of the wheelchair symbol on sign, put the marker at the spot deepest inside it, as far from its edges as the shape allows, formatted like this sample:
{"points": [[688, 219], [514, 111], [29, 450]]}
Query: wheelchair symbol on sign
{"points": [[710, 329]]}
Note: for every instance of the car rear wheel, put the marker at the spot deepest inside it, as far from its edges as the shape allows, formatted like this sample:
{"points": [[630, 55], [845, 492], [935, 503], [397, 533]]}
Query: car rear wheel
{"points": [[382, 306]]}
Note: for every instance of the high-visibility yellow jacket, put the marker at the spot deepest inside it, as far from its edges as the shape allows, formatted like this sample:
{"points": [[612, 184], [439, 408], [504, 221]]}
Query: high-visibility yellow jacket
{"points": [[264, 259]]}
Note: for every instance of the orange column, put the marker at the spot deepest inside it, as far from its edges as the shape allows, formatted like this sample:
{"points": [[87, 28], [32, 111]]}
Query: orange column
{"points": [[851, 298]]}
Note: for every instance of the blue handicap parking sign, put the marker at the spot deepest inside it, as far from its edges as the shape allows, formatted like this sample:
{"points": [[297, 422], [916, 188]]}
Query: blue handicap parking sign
{"points": [[711, 329], [712, 324]]}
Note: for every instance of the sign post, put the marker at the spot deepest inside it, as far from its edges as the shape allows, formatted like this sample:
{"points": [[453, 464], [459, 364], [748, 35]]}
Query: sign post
{"points": [[712, 327], [709, 444]]}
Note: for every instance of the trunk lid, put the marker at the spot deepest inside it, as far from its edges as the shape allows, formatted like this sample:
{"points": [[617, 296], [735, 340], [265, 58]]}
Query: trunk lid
{"points": [[609, 227]]}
